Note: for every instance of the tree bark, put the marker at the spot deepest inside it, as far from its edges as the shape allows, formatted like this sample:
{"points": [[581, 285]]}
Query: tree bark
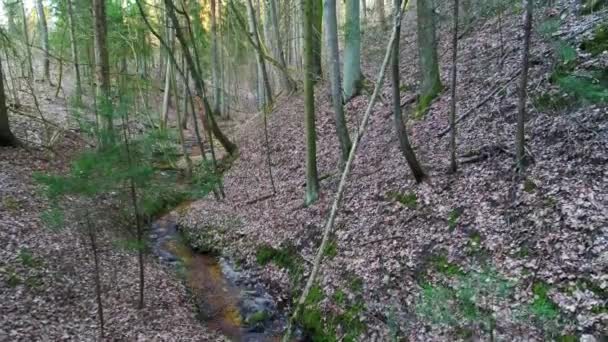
{"points": [[453, 165], [352, 50], [400, 128], [102, 65], [6, 136], [215, 62], [44, 36], [164, 118], [317, 38], [427, 55], [520, 140], [312, 179], [74, 46], [331, 34]]}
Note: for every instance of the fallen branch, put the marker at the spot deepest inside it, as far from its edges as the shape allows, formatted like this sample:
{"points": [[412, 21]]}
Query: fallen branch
{"points": [[345, 173], [482, 102]]}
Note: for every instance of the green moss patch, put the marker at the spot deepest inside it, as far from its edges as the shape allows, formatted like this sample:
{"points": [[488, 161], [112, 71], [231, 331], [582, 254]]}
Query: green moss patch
{"points": [[285, 257], [344, 325]]}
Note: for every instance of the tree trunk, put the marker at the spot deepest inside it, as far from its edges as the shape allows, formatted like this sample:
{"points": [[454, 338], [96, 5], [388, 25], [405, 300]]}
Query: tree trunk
{"points": [[26, 41], [312, 180], [317, 38], [286, 83], [453, 165], [185, 84], [331, 34], [215, 62], [427, 56], [44, 36], [102, 65], [520, 140], [164, 118], [352, 50], [74, 46], [380, 13], [266, 99], [400, 128], [6, 136]]}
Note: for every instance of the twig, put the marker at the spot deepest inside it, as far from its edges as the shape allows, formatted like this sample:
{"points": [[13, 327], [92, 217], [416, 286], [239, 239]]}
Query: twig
{"points": [[482, 102]]}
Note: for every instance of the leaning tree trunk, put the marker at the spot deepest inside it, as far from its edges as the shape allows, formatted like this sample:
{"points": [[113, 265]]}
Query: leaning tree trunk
{"points": [[331, 34], [312, 180], [400, 129], [6, 136], [520, 140], [74, 46], [44, 36], [228, 145], [102, 65], [427, 56], [352, 50]]}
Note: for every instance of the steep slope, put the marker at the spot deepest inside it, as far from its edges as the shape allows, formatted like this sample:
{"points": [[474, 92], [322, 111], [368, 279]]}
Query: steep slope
{"points": [[546, 235]]}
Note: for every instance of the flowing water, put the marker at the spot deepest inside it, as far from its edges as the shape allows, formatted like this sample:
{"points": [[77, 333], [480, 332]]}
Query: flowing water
{"points": [[228, 300]]}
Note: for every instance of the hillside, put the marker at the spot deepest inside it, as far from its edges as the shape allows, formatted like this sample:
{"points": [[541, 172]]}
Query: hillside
{"points": [[396, 241]]}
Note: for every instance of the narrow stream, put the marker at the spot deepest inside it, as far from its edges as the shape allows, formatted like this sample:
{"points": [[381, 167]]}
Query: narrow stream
{"points": [[227, 299]]}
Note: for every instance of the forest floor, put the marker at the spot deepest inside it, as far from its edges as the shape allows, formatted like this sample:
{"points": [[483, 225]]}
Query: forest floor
{"points": [[546, 235], [46, 276]]}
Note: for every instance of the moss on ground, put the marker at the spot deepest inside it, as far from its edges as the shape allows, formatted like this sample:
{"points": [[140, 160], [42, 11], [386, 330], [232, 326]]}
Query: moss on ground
{"points": [[344, 325]]}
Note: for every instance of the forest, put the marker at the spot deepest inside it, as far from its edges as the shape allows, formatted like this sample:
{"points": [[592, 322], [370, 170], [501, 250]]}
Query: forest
{"points": [[304, 170]]}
